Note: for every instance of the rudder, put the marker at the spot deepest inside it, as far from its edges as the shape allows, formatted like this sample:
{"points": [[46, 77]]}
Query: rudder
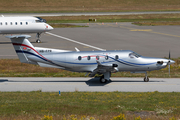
{"points": [[22, 47]]}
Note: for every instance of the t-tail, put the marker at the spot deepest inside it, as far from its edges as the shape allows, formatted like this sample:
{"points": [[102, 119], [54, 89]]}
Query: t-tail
{"points": [[23, 47]]}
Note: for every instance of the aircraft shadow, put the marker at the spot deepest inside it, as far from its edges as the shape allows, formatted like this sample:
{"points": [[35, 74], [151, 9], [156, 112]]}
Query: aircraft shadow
{"points": [[96, 82], [5, 43], [3, 80]]}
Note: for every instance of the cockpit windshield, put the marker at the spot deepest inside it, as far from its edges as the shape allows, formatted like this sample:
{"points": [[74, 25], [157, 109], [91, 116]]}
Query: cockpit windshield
{"points": [[134, 55], [40, 20]]}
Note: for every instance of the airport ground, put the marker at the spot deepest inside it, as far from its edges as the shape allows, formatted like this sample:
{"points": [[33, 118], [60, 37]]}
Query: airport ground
{"points": [[153, 41]]}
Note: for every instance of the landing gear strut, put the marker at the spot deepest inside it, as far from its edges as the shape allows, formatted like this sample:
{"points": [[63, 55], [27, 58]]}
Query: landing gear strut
{"points": [[146, 78], [38, 36]]}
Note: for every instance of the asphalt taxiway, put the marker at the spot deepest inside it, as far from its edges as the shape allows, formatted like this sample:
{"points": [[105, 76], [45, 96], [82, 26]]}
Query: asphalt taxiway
{"points": [[152, 41], [10, 84]]}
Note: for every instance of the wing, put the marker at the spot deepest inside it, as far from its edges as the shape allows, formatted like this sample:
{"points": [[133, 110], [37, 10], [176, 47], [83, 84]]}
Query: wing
{"points": [[104, 68]]}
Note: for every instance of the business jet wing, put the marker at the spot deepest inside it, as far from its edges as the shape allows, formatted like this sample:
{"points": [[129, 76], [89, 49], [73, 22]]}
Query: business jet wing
{"points": [[104, 68]]}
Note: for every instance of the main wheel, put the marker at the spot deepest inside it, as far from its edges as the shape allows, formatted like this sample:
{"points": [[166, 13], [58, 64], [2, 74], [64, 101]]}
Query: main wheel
{"points": [[38, 40], [102, 80], [146, 79]]}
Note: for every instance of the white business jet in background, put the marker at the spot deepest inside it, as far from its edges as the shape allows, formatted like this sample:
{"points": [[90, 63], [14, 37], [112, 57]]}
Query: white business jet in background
{"points": [[25, 24]]}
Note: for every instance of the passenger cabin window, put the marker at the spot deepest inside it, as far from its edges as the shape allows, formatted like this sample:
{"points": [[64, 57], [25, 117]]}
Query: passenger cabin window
{"points": [[6, 23], [16, 23], [97, 57], [21, 23], [0, 23], [11, 23], [88, 57], [116, 57], [79, 58], [106, 57], [134, 55], [26, 23]]}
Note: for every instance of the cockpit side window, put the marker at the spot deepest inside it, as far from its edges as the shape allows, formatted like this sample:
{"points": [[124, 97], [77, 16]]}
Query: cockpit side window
{"points": [[38, 21], [134, 55]]}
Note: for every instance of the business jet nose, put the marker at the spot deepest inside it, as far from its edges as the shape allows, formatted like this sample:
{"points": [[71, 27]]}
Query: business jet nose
{"points": [[48, 27]]}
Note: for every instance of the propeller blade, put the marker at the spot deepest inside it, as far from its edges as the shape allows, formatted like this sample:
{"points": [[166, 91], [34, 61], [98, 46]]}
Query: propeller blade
{"points": [[169, 61], [169, 70]]}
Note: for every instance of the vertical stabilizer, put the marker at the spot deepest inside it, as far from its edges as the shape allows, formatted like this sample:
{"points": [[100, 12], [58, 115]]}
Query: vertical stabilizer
{"points": [[22, 47]]}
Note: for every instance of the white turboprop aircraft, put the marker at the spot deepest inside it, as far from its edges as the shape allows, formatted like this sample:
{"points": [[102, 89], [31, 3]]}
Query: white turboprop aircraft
{"points": [[94, 62], [25, 24]]}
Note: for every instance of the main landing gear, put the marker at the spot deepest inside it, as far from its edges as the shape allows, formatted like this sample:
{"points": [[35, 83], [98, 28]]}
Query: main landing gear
{"points": [[146, 78], [38, 36], [102, 79], [105, 77]]}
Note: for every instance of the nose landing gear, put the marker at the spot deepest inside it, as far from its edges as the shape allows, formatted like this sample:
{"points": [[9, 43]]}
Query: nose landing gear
{"points": [[38, 36], [146, 78]]}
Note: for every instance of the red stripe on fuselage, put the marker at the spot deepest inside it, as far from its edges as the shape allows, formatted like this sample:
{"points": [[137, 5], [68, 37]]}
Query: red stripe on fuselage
{"points": [[30, 48]]}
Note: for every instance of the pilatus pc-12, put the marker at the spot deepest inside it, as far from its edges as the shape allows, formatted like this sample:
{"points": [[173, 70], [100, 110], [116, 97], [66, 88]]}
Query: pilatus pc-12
{"points": [[93, 62]]}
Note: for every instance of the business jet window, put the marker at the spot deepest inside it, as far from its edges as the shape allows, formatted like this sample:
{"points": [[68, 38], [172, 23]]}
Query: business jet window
{"points": [[16, 23], [6, 23], [106, 57], [97, 57], [26, 23], [116, 57], [79, 58], [0, 23], [88, 57], [134, 55], [21, 23], [11, 23]]}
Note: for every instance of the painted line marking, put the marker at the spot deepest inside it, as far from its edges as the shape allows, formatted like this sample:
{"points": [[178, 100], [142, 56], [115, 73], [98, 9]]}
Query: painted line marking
{"points": [[165, 34], [141, 30], [75, 41], [145, 30]]}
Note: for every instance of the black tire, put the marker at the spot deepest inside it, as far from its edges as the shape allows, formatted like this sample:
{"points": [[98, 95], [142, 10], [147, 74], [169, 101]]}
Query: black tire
{"points": [[102, 80], [146, 79], [38, 40]]}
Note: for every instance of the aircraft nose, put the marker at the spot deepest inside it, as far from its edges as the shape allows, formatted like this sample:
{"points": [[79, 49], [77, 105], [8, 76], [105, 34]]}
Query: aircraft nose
{"points": [[171, 62], [48, 27]]}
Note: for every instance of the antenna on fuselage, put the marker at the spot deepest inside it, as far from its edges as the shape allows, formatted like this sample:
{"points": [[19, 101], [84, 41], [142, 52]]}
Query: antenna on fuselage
{"points": [[77, 49]]}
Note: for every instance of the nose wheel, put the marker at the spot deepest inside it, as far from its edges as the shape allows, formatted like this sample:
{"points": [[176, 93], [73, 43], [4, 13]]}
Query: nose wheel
{"points": [[38, 40], [146, 78], [38, 36]]}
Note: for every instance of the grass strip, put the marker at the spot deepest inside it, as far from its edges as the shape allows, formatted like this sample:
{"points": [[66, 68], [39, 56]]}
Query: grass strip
{"points": [[146, 19], [14, 68], [46, 6], [100, 105]]}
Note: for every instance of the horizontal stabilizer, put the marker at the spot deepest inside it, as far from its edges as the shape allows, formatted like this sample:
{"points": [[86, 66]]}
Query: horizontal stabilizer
{"points": [[18, 36]]}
